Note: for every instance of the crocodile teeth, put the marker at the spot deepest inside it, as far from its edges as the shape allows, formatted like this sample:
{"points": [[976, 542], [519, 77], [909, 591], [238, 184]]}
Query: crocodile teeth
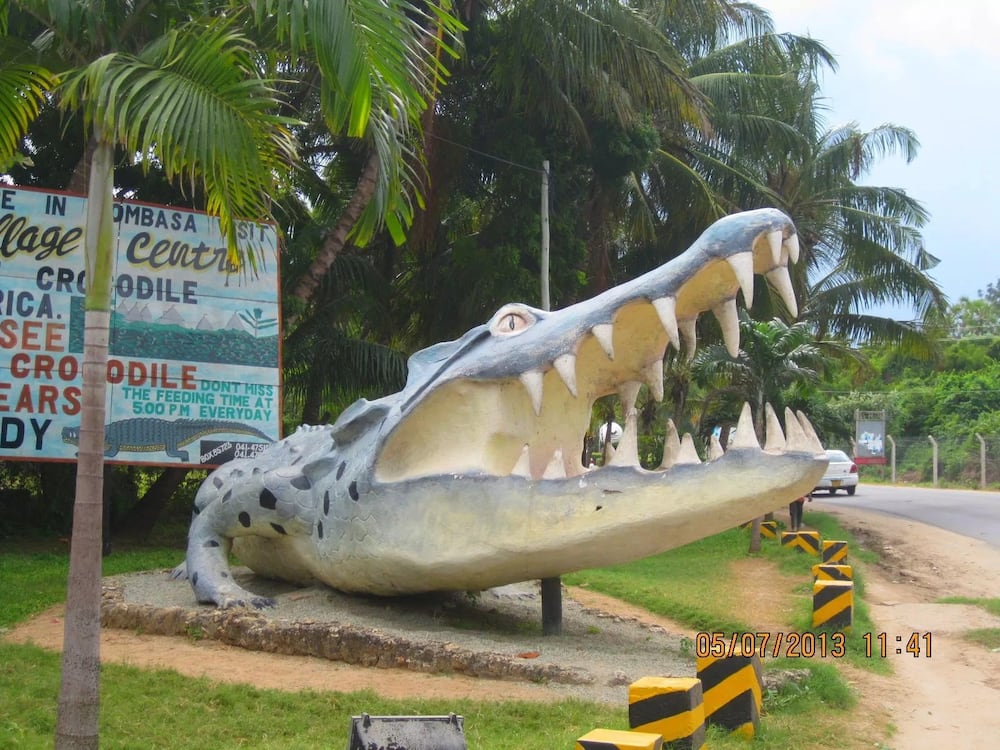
{"points": [[782, 283], [715, 451], [629, 394], [671, 446], [795, 437], [775, 440], [745, 435], [628, 447], [523, 466], [556, 468], [689, 331], [666, 310], [774, 240], [608, 454], [604, 333], [742, 265], [729, 320], [532, 381], [687, 454], [652, 375], [565, 365], [791, 244], [807, 428]]}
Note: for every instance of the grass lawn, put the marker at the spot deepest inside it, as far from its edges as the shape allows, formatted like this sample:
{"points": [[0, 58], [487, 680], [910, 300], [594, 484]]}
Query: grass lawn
{"points": [[162, 709]]}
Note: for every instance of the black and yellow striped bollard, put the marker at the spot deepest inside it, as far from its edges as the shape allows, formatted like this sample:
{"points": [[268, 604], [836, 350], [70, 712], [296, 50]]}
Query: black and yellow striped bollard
{"points": [[769, 529], [827, 572], [619, 739], [732, 691], [671, 707], [803, 541], [833, 604], [834, 552]]}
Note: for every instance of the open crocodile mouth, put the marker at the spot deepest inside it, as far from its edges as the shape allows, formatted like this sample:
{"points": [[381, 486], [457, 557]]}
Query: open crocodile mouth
{"points": [[527, 414]]}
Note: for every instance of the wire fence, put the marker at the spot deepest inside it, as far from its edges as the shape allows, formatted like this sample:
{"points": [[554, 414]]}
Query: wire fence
{"points": [[965, 460]]}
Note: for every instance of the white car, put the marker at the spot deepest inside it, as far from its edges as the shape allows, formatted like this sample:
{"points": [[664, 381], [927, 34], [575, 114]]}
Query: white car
{"points": [[841, 474]]}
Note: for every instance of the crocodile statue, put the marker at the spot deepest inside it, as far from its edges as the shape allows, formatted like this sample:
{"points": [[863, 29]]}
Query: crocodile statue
{"points": [[151, 435], [471, 476]]}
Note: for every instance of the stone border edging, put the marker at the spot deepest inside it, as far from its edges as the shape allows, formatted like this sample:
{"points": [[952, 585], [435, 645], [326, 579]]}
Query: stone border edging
{"points": [[368, 647]]}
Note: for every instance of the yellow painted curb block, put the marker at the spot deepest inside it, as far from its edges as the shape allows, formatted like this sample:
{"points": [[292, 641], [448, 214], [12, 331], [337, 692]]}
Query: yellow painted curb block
{"points": [[671, 707]]}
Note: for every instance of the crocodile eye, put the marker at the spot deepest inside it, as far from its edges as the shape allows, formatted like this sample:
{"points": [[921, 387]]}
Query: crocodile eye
{"points": [[509, 322]]}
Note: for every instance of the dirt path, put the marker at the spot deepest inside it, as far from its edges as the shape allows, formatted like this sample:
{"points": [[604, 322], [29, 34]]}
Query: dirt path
{"points": [[946, 699]]}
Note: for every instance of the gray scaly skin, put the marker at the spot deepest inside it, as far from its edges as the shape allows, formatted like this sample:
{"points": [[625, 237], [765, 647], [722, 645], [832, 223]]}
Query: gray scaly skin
{"points": [[470, 477]]}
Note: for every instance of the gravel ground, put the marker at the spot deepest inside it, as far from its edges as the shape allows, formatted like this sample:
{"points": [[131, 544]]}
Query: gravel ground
{"points": [[494, 633]]}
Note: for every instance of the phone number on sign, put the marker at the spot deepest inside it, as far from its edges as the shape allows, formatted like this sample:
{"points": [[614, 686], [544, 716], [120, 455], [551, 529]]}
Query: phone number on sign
{"points": [[792, 644]]}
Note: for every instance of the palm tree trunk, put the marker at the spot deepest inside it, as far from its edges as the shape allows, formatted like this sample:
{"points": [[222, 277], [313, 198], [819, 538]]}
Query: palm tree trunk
{"points": [[79, 692], [335, 240]]}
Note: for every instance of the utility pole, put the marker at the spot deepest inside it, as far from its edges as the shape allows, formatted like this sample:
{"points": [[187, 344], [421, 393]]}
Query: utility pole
{"points": [[551, 587], [546, 303]]}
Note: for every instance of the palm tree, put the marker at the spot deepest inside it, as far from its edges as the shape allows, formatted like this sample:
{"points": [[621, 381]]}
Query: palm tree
{"points": [[574, 81], [772, 358], [861, 245], [190, 95], [25, 84], [368, 69]]}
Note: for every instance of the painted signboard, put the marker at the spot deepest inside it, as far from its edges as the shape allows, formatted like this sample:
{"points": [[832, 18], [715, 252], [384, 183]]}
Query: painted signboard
{"points": [[869, 437], [193, 371]]}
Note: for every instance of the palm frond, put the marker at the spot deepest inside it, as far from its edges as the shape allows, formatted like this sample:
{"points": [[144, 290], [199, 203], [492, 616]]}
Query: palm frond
{"points": [[194, 99], [24, 88]]}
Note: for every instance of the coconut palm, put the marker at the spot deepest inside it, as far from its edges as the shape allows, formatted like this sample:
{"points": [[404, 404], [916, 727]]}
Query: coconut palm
{"points": [[368, 69], [24, 84], [861, 245], [189, 94]]}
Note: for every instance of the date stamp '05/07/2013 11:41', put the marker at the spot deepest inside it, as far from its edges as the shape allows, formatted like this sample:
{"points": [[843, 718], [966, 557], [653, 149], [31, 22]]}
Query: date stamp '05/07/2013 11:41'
{"points": [[808, 645]]}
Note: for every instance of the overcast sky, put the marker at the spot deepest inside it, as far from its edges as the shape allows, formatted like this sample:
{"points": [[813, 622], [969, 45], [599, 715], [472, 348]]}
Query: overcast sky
{"points": [[933, 67]]}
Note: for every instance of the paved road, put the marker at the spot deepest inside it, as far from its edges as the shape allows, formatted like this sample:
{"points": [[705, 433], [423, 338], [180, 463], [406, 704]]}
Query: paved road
{"points": [[971, 513]]}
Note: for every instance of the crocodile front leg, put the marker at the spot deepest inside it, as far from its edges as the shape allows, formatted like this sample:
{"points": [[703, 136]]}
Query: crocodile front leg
{"points": [[240, 501]]}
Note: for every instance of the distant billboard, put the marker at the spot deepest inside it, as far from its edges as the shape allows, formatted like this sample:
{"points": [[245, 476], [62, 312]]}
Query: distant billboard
{"points": [[193, 372], [869, 437]]}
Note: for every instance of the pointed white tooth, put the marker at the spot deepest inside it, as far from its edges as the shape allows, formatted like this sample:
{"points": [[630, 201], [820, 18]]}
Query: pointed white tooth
{"points": [[671, 446], [689, 332], [687, 454], [666, 310], [629, 394], [791, 244], [795, 438], [608, 455], [628, 447], [556, 468], [652, 374], [532, 381], [813, 439], [782, 283], [742, 265], [774, 241], [774, 440], [729, 320], [523, 466], [745, 435], [565, 365], [715, 451], [604, 333]]}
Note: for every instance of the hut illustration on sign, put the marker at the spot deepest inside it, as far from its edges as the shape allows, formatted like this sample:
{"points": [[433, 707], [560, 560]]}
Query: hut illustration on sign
{"points": [[256, 321]]}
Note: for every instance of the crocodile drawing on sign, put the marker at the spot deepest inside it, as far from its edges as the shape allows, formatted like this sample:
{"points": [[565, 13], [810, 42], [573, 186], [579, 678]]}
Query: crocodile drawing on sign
{"points": [[151, 435], [471, 476]]}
